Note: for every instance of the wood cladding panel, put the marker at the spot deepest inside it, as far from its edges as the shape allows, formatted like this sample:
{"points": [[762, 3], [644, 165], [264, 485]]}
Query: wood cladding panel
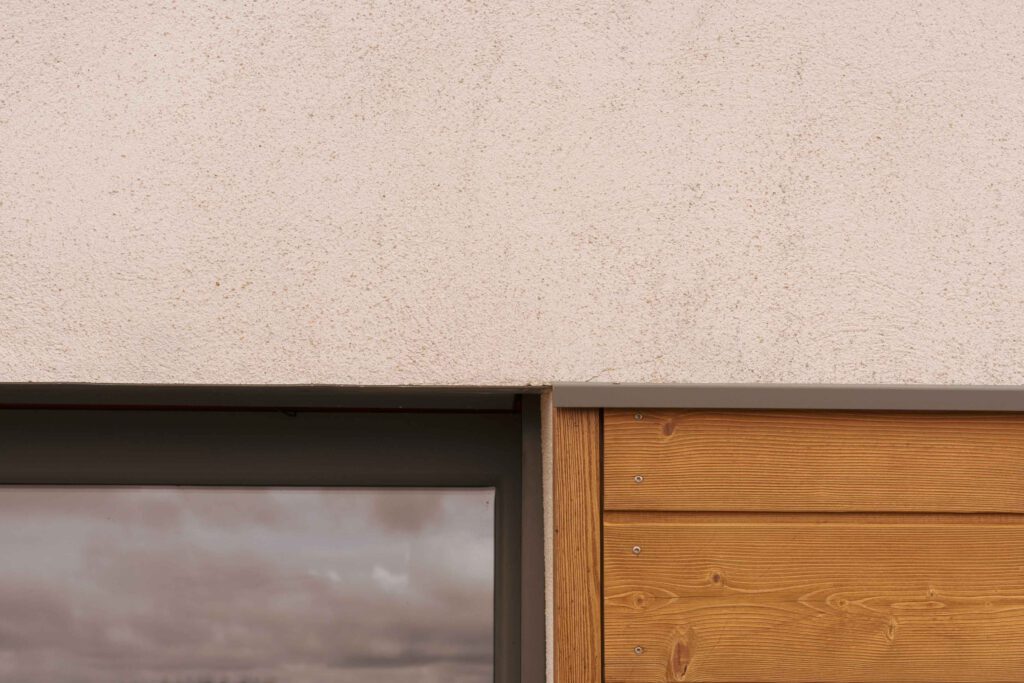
{"points": [[813, 461], [577, 546], [805, 597]]}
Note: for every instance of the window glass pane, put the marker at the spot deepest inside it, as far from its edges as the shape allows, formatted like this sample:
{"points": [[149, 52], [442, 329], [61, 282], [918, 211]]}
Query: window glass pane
{"points": [[167, 585]]}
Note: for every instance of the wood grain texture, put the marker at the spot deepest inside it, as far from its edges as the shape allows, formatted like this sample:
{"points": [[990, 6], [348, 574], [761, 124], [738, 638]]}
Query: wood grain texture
{"points": [[577, 546], [801, 598], [814, 461]]}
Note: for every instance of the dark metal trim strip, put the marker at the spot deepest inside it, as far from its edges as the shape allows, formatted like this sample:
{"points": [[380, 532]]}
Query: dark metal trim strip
{"points": [[259, 397]]}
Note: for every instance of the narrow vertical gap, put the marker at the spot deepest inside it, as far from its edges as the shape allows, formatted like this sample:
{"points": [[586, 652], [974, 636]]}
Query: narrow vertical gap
{"points": [[498, 597], [600, 529]]}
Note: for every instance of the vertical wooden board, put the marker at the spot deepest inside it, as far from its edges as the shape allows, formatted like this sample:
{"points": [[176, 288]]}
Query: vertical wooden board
{"points": [[577, 545], [813, 461], [804, 598]]}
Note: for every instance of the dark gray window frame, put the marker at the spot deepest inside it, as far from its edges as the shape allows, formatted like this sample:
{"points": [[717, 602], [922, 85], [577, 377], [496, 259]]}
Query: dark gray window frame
{"points": [[146, 435]]}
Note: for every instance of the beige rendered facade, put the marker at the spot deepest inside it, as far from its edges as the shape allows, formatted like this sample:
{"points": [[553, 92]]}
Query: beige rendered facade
{"points": [[512, 192]]}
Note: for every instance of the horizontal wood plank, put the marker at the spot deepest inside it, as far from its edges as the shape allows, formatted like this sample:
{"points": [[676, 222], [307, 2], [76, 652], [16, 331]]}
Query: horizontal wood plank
{"points": [[813, 461], [801, 598]]}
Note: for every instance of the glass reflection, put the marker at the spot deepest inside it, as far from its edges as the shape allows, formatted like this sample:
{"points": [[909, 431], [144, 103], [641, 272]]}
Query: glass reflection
{"points": [[165, 585]]}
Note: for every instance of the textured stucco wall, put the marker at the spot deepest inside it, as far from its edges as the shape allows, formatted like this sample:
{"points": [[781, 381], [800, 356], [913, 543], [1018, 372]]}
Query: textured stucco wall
{"points": [[508, 192]]}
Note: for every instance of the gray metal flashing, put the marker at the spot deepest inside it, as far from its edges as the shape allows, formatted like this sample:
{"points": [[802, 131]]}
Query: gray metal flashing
{"points": [[908, 397]]}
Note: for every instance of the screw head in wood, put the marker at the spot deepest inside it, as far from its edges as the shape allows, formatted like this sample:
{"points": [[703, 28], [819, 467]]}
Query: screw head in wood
{"points": [[638, 650], [636, 550], [638, 416], [639, 478]]}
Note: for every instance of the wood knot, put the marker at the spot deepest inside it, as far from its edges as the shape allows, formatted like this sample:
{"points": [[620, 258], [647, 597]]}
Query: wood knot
{"points": [[890, 630], [680, 655], [668, 428]]}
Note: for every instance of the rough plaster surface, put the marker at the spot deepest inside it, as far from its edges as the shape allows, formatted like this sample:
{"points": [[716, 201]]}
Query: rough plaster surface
{"points": [[508, 192]]}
